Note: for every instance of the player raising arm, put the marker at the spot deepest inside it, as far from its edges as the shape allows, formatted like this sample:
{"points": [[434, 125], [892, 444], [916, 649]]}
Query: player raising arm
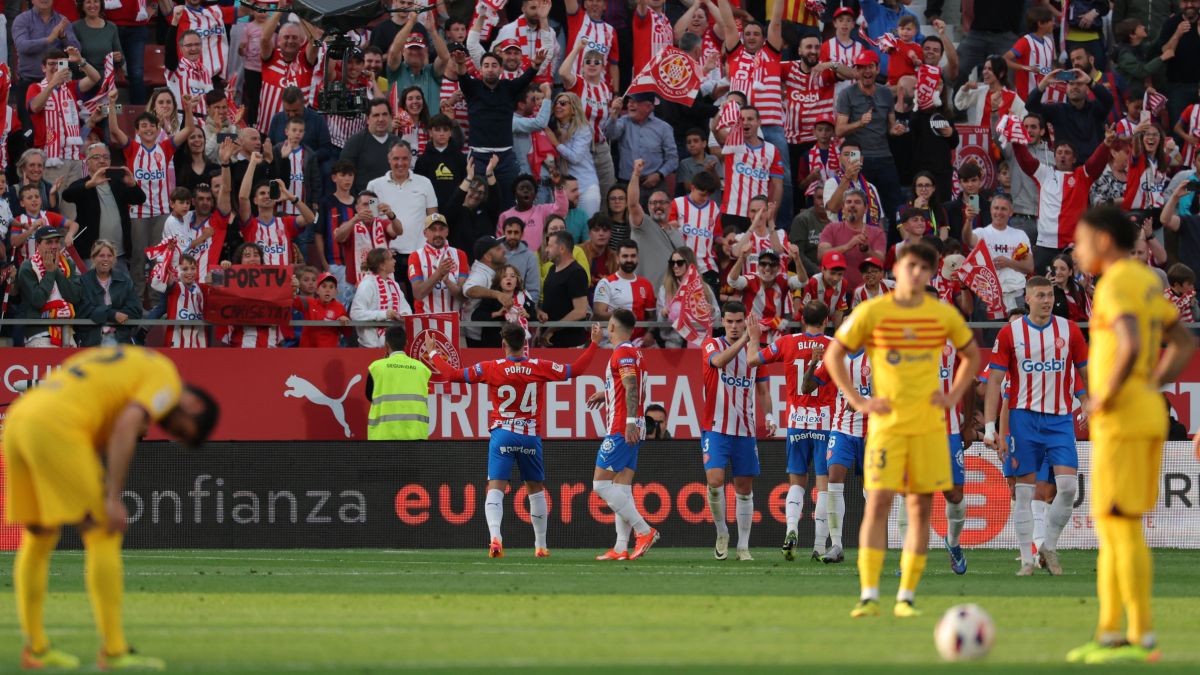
{"points": [[624, 393], [1131, 319], [516, 422], [903, 334]]}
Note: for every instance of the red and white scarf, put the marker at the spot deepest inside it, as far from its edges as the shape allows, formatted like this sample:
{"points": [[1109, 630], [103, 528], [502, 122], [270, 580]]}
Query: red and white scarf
{"points": [[63, 138], [490, 10], [690, 311], [368, 237], [662, 34], [106, 85], [389, 297], [56, 307], [513, 314]]}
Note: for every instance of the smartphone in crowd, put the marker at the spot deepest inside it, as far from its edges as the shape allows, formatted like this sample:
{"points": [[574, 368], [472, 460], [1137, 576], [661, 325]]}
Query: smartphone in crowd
{"points": [[374, 206], [973, 201], [274, 190]]}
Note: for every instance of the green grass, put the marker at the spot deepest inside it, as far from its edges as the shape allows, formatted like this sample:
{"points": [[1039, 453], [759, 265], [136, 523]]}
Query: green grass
{"points": [[677, 610]]}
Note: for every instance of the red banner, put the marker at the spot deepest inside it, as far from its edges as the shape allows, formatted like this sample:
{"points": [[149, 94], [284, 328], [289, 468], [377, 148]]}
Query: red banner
{"points": [[974, 145], [979, 274], [929, 87], [672, 75], [247, 295]]}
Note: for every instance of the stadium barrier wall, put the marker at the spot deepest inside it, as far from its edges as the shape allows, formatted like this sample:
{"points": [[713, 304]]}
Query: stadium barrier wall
{"points": [[419, 496], [319, 394]]}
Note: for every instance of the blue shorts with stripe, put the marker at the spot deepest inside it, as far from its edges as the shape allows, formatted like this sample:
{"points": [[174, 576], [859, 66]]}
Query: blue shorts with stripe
{"points": [[616, 455], [506, 448], [807, 447], [958, 472], [845, 450], [723, 449], [1039, 438]]}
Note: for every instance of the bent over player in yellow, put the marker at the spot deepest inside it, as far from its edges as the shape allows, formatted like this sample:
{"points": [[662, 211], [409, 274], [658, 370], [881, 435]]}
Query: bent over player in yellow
{"points": [[68, 444], [907, 449], [1130, 322]]}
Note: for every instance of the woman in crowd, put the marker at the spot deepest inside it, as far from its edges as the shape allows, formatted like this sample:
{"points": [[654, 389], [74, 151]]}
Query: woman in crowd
{"points": [[97, 38], [1149, 165], [1071, 300], [378, 297], [595, 96], [412, 100], [164, 106], [31, 168], [1110, 187], [924, 190], [557, 223], [108, 298], [616, 207], [489, 308], [192, 166], [987, 103], [218, 121], [573, 140], [681, 263]]}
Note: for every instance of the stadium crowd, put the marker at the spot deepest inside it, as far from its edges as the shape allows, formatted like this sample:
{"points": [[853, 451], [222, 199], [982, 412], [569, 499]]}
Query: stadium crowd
{"points": [[503, 171]]}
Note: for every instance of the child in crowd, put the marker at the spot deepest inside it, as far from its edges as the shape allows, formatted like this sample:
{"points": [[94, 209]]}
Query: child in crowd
{"points": [[1182, 291], [323, 307], [873, 285], [183, 301], [829, 287], [906, 57]]}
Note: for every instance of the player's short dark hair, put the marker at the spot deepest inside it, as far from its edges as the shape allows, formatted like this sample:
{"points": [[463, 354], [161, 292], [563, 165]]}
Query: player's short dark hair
{"points": [[732, 307], [705, 182], [395, 337], [207, 418], [1110, 220], [815, 313], [343, 166], [513, 335], [1037, 281], [625, 318], [628, 243], [1180, 273], [921, 251]]}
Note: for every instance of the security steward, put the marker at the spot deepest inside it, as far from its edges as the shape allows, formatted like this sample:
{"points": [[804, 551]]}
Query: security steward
{"points": [[398, 388]]}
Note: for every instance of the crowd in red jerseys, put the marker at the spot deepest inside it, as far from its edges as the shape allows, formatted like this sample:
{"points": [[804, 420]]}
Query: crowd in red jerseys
{"points": [[824, 137]]}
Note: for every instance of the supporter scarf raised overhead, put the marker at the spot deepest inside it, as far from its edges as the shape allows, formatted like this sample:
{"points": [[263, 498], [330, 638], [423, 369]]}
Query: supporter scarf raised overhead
{"points": [[929, 87], [231, 90], [672, 75], [165, 273], [490, 11], [1153, 102], [886, 42], [979, 274], [56, 307], [1011, 130], [691, 309], [106, 85], [730, 117]]}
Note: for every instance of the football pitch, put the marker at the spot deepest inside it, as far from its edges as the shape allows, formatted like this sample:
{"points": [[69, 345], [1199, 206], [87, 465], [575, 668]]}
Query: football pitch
{"points": [[677, 610]]}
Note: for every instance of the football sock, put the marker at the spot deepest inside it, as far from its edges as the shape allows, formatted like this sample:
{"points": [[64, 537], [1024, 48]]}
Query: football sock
{"points": [[104, 574], [912, 565], [902, 519], [1134, 575], [624, 527], [837, 511], [537, 517], [1108, 590], [956, 519], [493, 510], [1023, 522], [31, 580], [793, 507], [1039, 522], [716, 506], [1060, 510], [870, 566], [745, 518], [821, 521], [621, 502]]}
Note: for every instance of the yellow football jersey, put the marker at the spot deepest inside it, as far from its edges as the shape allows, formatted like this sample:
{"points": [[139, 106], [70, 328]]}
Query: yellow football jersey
{"points": [[904, 346], [95, 385], [1138, 410]]}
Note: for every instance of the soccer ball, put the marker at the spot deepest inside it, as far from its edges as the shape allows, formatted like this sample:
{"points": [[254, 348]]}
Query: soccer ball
{"points": [[964, 633]]}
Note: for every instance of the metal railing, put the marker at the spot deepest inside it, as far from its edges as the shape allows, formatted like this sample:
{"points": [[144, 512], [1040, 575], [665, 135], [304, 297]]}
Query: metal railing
{"points": [[375, 324]]}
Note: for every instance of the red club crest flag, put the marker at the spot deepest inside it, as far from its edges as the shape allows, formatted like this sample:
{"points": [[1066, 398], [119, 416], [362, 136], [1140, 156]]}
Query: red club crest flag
{"points": [[691, 309], [671, 75], [443, 328], [979, 274]]}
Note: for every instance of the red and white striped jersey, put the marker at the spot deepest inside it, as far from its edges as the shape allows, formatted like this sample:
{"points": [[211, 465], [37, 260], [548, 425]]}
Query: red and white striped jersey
{"points": [[652, 33], [422, 263], [700, 227], [515, 390], [626, 361], [826, 161], [295, 180], [209, 21], [9, 122], [729, 392], [749, 170], [56, 129], [186, 303], [363, 237], [805, 98], [946, 376], [278, 75], [598, 36], [1183, 304], [804, 411], [596, 99], [448, 89], [1037, 53], [1145, 184], [275, 238], [254, 337], [1040, 362], [1063, 197], [1190, 121], [635, 295], [770, 301], [184, 233], [24, 223], [843, 53], [150, 166], [762, 70], [846, 419], [835, 297], [192, 79], [863, 294], [759, 244]]}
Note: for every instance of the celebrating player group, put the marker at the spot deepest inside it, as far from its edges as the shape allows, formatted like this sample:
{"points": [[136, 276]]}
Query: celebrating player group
{"points": [[886, 395]]}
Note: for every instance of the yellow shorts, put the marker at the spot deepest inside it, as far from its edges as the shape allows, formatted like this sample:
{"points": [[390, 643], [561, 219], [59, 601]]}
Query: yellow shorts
{"points": [[1125, 475], [913, 464], [52, 475]]}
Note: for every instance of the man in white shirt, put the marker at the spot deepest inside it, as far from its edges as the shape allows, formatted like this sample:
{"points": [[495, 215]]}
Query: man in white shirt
{"points": [[1009, 247], [489, 259], [412, 197]]}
